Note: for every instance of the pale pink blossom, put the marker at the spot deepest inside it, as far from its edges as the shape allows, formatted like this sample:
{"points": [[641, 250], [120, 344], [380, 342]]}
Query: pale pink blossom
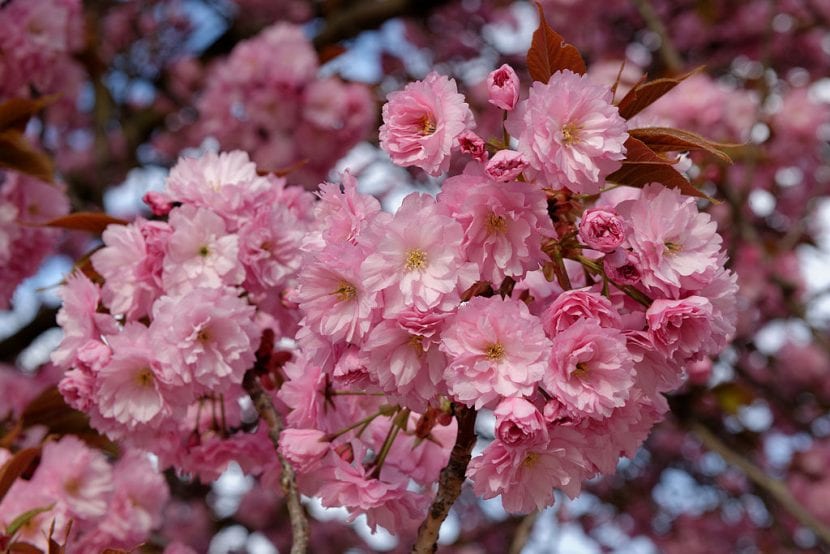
{"points": [[519, 423], [416, 257], [506, 165], [570, 132], [503, 87], [496, 348], [601, 229], [201, 253], [681, 329], [206, 337], [504, 226], [622, 267], [675, 245], [131, 264], [591, 370], [573, 305], [303, 447], [269, 248], [343, 215], [422, 122]]}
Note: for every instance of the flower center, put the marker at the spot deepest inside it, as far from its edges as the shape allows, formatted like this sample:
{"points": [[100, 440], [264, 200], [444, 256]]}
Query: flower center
{"points": [[72, 486], [345, 291], [427, 125], [672, 247], [417, 343], [531, 459], [494, 352], [144, 378], [203, 335], [204, 251], [416, 259], [570, 133], [581, 370], [496, 224]]}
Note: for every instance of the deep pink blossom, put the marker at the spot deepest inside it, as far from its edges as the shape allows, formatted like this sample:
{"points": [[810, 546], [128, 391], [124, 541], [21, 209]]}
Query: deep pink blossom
{"points": [[601, 229], [506, 165]]}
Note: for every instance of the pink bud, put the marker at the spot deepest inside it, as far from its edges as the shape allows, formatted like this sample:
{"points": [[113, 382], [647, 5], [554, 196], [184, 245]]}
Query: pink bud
{"points": [[503, 84], [472, 144], [602, 229], [506, 165]]}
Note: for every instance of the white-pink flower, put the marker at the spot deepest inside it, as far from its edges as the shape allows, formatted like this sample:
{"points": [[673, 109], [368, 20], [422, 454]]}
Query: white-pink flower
{"points": [[422, 121], [570, 132], [496, 348]]}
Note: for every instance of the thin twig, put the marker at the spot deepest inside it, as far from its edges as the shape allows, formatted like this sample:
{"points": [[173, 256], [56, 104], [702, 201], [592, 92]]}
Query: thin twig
{"points": [[269, 415], [449, 483], [775, 487], [668, 52], [523, 530]]}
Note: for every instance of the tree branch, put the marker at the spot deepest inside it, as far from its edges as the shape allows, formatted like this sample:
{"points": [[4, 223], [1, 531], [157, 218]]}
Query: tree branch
{"points": [[523, 530], [668, 52], [775, 487], [449, 483], [268, 414]]}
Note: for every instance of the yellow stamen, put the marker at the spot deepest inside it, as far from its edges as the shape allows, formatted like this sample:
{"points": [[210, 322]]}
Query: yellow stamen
{"points": [[345, 291], [570, 133], [416, 259], [494, 352], [145, 378], [496, 224]]}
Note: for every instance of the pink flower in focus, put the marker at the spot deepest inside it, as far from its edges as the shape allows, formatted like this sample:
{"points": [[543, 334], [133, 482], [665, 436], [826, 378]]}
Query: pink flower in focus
{"points": [[506, 165], [422, 122], [416, 257], [344, 215], [681, 329], [473, 145], [201, 253], [570, 132], [573, 305], [496, 348], [621, 266], [504, 226], [503, 86], [303, 447], [675, 245], [591, 370], [601, 229], [519, 423], [206, 337]]}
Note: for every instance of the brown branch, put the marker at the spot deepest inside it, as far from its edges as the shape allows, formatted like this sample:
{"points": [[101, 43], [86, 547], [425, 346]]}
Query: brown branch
{"points": [[774, 487], [449, 483], [268, 414], [668, 52], [522, 534]]}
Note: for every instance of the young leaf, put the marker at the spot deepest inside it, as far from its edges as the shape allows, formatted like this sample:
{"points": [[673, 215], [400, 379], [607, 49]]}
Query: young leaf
{"points": [[643, 166], [23, 548], [644, 94], [17, 154], [16, 112], [25, 518], [94, 222], [15, 467], [550, 53], [664, 139]]}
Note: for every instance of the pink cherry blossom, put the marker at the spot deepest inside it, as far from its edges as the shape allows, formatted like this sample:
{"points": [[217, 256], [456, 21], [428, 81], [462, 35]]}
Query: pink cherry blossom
{"points": [[496, 348], [570, 132], [591, 370], [422, 122], [473, 145], [506, 165], [503, 85], [519, 423], [601, 229], [573, 305], [303, 447]]}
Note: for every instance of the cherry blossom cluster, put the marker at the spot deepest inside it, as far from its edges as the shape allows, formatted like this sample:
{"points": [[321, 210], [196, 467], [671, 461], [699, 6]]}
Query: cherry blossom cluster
{"points": [[527, 288], [83, 499], [156, 344], [267, 99], [25, 203]]}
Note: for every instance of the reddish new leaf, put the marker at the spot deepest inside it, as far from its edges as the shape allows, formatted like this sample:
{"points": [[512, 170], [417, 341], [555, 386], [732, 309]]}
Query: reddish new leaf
{"points": [[23, 548], [550, 53], [15, 467], [644, 94], [16, 112], [17, 154], [94, 222], [664, 139], [643, 166]]}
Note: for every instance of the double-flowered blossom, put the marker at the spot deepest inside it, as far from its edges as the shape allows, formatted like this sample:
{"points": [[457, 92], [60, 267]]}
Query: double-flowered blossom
{"points": [[422, 122], [570, 132]]}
